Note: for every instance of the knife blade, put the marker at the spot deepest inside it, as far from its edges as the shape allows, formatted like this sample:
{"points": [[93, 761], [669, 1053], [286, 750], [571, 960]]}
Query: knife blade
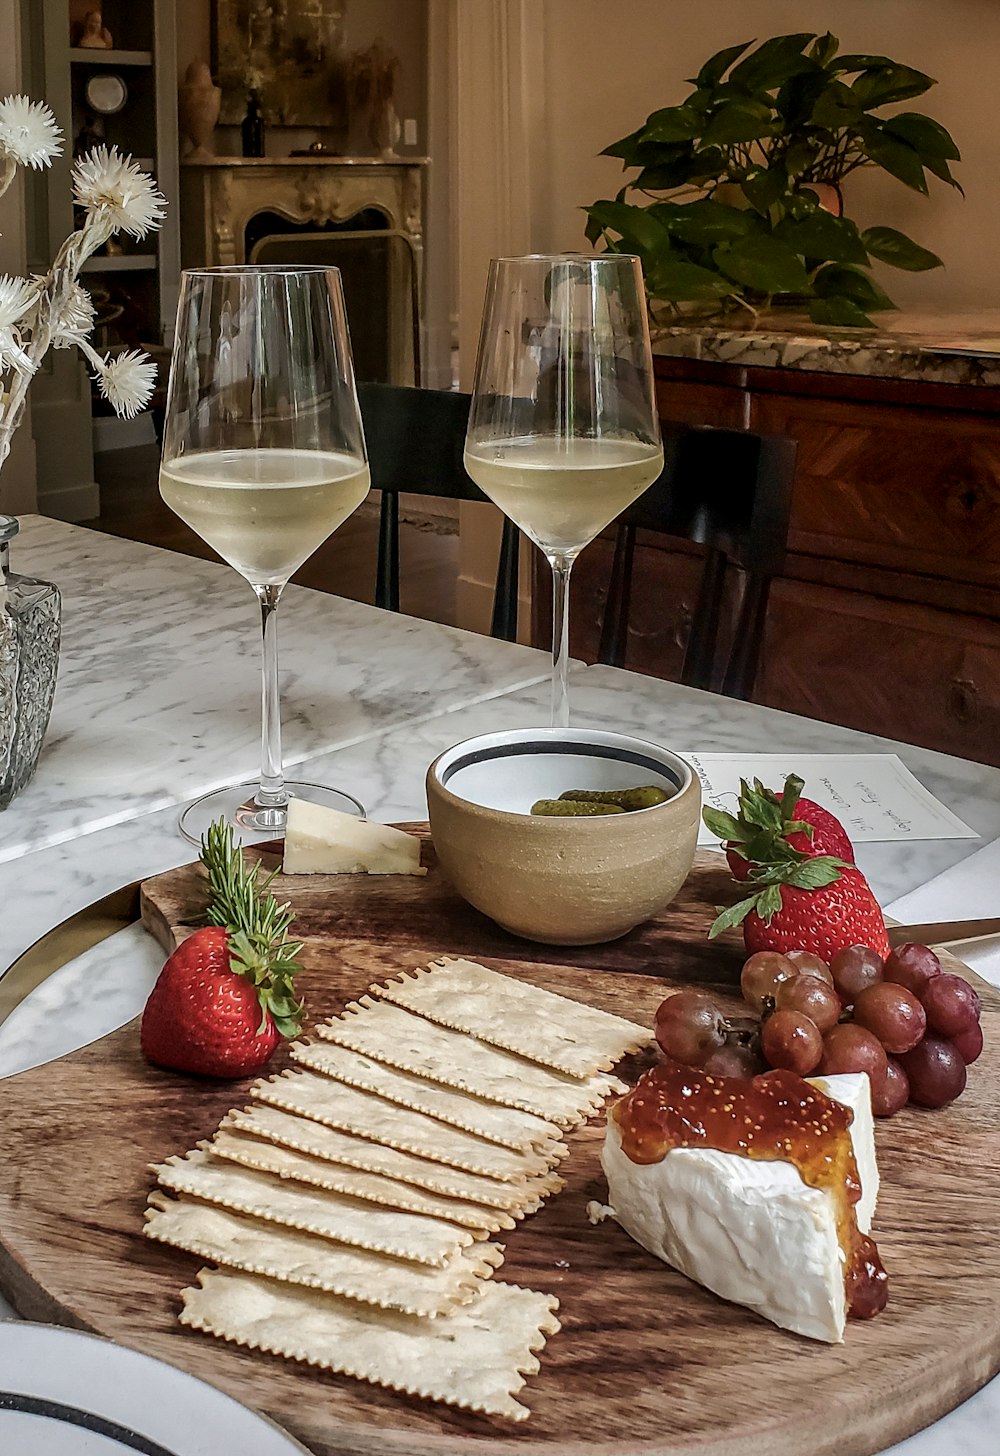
{"points": [[942, 932]]}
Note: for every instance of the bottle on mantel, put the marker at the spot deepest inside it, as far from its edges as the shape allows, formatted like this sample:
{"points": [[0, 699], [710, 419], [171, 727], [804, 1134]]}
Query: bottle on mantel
{"points": [[253, 127]]}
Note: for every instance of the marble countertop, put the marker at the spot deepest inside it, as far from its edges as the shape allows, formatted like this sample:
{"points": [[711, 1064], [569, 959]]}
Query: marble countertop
{"points": [[945, 348], [158, 698], [384, 764]]}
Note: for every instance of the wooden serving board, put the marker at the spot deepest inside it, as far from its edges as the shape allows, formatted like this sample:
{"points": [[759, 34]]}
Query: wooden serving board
{"points": [[646, 1361]]}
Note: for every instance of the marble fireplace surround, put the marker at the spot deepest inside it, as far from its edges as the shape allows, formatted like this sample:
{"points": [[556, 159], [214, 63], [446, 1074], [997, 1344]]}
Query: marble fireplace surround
{"points": [[220, 197]]}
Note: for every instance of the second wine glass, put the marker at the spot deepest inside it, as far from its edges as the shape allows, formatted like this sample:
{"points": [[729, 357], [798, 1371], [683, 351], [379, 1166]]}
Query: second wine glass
{"points": [[264, 456], [563, 430]]}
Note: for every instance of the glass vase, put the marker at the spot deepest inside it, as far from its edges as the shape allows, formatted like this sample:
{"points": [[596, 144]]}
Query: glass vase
{"points": [[29, 660]]}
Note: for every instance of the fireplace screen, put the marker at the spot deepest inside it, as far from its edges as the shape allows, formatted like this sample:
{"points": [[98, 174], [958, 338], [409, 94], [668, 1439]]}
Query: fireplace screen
{"points": [[379, 272]]}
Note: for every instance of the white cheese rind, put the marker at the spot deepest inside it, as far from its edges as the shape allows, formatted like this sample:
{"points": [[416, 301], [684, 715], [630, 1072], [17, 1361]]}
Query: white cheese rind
{"points": [[854, 1089], [323, 841], [749, 1230]]}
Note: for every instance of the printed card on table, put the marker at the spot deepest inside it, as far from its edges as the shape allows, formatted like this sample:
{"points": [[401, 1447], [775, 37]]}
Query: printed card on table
{"points": [[874, 795]]}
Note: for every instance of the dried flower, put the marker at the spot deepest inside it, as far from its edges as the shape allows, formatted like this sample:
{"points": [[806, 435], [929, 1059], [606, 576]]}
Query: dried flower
{"points": [[17, 297], [116, 193], [28, 132], [74, 320], [126, 381]]}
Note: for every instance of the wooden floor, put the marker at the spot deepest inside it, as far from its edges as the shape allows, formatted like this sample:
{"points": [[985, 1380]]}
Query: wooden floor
{"points": [[345, 564]]}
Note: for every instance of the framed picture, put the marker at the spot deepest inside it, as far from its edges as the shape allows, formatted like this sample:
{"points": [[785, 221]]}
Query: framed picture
{"points": [[290, 52]]}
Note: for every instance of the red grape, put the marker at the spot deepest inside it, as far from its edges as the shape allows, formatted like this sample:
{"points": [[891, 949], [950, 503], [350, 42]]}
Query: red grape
{"points": [[951, 1004], [812, 997], [936, 1072], [792, 1042], [688, 1026], [850, 1048], [733, 1060], [808, 964], [893, 1014], [912, 966], [854, 968], [761, 974], [969, 1044], [892, 1095]]}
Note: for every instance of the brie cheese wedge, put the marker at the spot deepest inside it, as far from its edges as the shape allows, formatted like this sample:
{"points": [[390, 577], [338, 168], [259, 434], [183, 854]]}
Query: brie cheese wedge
{"points": [[322, 841], [749, 1229]]}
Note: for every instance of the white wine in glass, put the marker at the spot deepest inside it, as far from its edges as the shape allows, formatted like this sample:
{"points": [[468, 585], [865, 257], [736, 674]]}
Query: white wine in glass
{"points": [[563, 430], [263, 456]]}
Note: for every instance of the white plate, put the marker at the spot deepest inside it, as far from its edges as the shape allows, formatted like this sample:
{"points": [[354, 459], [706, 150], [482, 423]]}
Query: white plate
{"points": [[64, 1393]]}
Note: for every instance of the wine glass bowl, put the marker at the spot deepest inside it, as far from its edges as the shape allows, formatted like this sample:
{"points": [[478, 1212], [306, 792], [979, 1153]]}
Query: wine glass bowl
{"points": [[563, 428], [263, 456]]}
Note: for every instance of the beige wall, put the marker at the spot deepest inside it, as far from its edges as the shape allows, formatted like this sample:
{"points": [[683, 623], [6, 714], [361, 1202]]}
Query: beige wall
{"points": [[608, 65]]}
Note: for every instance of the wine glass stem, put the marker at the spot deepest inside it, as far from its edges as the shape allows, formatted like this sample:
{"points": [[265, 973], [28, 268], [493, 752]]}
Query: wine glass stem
{"points": [[561, 568], [271, 792]]}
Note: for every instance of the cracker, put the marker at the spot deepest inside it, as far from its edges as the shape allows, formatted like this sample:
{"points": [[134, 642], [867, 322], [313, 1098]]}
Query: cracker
{"points": [[307, 1136], [393, 1035], [475, 1357], [517, 1016], [250, 1152], [411, 1236], [238, 1242], [336, 1105], [503, 1125]]}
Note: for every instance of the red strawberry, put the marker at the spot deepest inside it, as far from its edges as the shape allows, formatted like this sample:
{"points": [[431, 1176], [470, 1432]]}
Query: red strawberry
{"points": [[224, 1000], [767, 822], [823, 921]]}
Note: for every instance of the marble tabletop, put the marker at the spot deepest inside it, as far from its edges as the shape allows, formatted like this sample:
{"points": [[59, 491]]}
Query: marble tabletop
{"points": [[158, 698], [386, 768]]}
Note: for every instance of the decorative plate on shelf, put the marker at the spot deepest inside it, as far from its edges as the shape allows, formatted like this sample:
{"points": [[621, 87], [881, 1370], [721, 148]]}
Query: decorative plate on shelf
{"points": [[66, 1393]]}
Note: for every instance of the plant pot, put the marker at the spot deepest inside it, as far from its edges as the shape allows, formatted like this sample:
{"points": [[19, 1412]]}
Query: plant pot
{"points": [[29, 661]]}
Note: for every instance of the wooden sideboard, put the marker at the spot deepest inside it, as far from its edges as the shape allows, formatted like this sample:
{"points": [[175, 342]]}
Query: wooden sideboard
{"points": [[887, 617]]}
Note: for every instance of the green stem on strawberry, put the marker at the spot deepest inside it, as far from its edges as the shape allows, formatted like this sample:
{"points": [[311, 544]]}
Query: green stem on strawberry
{"points": [[257, 926], [803, 874]]}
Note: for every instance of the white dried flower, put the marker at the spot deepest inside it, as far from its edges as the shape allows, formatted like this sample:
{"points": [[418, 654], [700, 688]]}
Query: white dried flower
{"points": [[17, 297], [114, 191], [126, 381], [75, 318], [28, 132]]}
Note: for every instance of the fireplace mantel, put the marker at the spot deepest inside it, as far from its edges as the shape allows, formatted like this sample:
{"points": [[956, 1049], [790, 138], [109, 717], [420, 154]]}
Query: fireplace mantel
{"points": [[222, 195]]}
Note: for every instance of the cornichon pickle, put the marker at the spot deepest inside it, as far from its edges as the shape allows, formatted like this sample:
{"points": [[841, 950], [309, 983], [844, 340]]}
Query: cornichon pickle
{"points": [[643, 797], [569, 807]]}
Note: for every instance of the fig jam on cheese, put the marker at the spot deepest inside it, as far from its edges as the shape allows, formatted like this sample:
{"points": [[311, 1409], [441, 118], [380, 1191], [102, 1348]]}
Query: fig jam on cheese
{"points": [[778, 1117]]}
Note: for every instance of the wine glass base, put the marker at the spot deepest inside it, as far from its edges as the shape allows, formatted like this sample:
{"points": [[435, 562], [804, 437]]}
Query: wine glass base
{"points": [[250, 822]]}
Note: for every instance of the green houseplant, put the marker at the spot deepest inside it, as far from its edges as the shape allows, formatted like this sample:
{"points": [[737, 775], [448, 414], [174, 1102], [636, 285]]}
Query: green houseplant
{"points": [[740, 182]]}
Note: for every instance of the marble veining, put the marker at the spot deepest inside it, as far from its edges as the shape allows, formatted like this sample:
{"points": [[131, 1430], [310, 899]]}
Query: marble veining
{"points": [[158, 697], [933, 349]]}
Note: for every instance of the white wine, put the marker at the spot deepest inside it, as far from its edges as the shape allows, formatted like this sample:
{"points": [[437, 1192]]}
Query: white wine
{"points": [[563, 492], [264, 511]]}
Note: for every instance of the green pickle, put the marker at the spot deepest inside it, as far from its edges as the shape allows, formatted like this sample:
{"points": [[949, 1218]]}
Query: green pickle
{"points": [[644, 797], [567, 808]]}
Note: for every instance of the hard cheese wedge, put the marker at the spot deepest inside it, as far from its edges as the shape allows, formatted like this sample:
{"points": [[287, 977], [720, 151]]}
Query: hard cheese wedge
{"points": [[322, 841], [750, 1230]]}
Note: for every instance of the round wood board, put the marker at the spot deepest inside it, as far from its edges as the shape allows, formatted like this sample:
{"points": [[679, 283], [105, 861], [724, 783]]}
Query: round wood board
{"points": [[646, 1362]]}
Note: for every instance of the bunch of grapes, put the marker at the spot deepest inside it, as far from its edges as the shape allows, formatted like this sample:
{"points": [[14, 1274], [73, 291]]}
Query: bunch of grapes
{"points": [[911, 1026]]}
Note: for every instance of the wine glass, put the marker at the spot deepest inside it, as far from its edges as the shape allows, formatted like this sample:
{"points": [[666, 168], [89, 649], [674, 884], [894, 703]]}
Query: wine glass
{"points": [[563, 430], [264, 456]]}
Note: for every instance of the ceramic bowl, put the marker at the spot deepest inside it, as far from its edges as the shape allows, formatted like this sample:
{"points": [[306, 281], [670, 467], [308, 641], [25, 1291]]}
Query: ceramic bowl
{"points": [[562, 881]]}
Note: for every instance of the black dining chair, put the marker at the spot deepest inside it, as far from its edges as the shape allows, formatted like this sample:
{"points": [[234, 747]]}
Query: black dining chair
{"points": [[416, 440], [729, 491]]}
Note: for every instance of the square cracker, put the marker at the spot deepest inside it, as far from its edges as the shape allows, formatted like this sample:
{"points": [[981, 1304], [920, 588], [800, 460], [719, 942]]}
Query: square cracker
{"points": [[266, 1157], [517, 1016], [395, 1036], [306, 1136], [475, 1357], [238, 1242], [507, 1126], [346, 1108], [411, 1236]]}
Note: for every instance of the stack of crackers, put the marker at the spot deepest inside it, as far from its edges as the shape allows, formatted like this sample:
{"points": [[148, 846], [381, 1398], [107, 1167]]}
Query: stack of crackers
{"points": [[350, 1207]]}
